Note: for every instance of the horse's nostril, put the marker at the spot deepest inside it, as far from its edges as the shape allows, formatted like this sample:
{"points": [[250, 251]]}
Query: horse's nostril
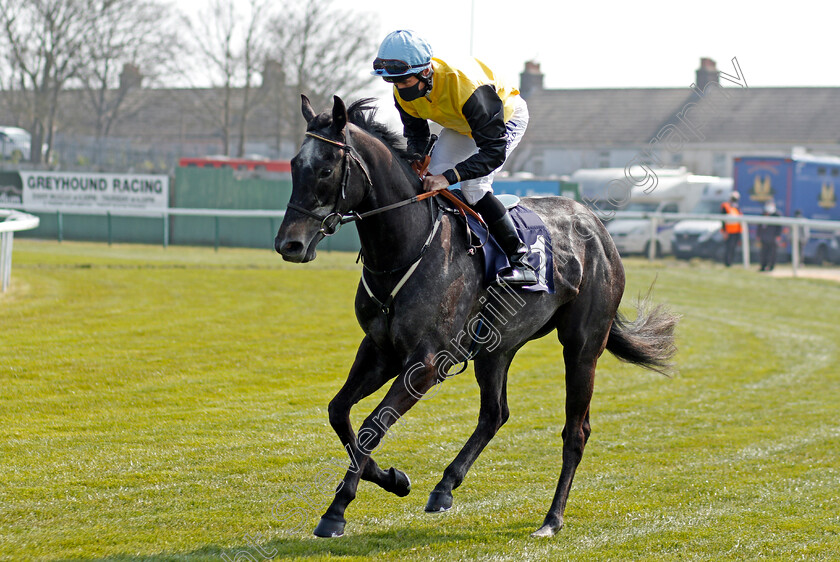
{"points": [[291, 248]]}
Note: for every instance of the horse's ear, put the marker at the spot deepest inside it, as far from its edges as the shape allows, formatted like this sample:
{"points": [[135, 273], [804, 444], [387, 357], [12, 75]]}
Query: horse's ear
{"points": [[306, 108], [339, 114]]}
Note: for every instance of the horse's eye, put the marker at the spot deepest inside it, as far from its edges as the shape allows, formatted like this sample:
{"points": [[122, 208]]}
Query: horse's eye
{"points": [[325, 172]]}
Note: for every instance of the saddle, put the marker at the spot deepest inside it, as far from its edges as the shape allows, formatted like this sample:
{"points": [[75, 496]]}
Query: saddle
{"points": [[532, 231]]}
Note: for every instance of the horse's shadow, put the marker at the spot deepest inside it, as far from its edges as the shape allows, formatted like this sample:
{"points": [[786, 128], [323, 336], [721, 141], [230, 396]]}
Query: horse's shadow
{"points": [[378, 544]]}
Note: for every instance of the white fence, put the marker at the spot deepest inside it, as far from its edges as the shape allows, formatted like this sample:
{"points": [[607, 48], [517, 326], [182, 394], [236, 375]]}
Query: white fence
{"points": [[157, 214], [11, 222], [15, 220], [796, 226]]}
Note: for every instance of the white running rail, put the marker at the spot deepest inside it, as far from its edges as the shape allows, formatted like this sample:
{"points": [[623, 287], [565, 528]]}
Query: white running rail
{"points": [[11, 222]]}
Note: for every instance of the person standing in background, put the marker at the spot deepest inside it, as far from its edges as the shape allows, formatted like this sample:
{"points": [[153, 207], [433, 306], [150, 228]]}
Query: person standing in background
{"points": [[768, 235], [731, 229]]}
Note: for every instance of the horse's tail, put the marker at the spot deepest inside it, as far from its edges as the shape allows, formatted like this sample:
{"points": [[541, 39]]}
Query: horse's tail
{"points": [[648, 341]]}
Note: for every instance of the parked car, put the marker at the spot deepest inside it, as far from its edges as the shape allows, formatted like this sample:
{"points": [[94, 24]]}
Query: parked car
{"points": [[676, 194], [703, 238], [15, 143], [632, 236], [822, 250]]}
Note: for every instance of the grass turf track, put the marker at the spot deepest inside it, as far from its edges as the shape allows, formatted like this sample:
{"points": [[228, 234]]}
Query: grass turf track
{"points": [[170, 404]]}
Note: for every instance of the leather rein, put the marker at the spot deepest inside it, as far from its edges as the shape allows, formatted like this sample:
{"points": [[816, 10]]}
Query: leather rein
{"points": [[339, 219], [342, 219]]}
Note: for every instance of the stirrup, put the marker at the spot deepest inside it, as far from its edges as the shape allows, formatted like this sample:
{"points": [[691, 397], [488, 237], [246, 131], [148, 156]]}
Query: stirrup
{"points": [[517, 276]]}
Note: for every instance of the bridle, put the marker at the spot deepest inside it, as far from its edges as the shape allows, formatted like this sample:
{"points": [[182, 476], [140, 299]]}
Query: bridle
{"points": [[344, 218], [349, 155], [352, 216]]}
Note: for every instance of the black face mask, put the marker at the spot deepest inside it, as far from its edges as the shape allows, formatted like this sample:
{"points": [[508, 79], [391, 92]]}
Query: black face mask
{"points": [[412, 92]]}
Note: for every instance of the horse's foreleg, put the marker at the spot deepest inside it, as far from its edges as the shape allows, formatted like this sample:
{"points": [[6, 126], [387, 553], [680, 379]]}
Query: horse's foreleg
{"points": [[405, 391], [491, 374], [371, 369]]}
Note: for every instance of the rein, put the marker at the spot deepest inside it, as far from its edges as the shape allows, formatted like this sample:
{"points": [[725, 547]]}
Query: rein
{"points": [[353, 216], [328, 229]]}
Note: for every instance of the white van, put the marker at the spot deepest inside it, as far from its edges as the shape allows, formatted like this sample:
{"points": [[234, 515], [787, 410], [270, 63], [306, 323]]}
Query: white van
{"points": [[607, 189], [15, 143], [676, 194]]}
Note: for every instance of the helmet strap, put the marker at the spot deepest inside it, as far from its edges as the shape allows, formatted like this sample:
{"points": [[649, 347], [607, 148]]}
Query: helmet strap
{"points": [[427, 80]]}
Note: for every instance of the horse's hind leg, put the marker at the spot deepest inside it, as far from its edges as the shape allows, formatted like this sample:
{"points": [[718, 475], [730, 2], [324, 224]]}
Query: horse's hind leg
{"points": [[582, 346], [491, 374], [370, 371]]}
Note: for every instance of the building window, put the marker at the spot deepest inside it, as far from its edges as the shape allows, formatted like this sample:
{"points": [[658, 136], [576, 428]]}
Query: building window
{"points": [[604, 159], [719, 164], [537, 166]]}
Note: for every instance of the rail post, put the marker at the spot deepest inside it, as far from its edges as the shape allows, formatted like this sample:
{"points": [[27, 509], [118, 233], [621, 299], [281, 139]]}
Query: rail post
{"points": [[165, 230], [654, 226], [216, 237], [10, 222], [745, 243], [6, 241]]}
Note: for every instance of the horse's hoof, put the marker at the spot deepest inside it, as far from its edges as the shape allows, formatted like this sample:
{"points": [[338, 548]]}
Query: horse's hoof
{"points": [[400, 483], [328, 528], [439, 501], [547, 530]]}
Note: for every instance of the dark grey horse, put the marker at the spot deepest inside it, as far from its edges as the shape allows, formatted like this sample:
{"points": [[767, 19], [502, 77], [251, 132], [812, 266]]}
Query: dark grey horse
{"points": [[425, 308]]}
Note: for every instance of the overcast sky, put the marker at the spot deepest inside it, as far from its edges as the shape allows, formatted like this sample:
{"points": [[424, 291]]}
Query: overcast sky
{"points": [[629, 44], [620, 44]]}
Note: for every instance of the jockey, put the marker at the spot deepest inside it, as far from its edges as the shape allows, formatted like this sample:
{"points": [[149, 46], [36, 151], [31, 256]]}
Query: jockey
{"points": [[483, 120]]}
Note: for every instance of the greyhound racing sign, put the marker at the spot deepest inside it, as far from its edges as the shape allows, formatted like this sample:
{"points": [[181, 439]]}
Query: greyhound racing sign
{"points": [[62, 191]]}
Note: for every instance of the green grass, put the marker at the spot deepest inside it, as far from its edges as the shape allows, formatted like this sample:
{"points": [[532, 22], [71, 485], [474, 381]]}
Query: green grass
{"points": [[159, 404]]}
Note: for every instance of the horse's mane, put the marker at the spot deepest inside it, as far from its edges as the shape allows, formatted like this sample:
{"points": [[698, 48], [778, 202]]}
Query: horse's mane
{"points": [[362, 113]]}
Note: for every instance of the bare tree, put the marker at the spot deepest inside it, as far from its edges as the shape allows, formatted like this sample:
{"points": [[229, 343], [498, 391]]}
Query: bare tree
{"points": [[131, 40], [44, 40], [322, 51], [230, 44], [252, 52]]}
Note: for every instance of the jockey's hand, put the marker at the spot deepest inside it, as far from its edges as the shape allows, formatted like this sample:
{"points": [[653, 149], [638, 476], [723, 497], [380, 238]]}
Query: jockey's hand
{"points": [[421, 165], [435, 183]]}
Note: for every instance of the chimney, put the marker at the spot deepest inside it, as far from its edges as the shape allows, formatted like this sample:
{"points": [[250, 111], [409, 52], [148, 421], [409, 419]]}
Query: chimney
{"points": [[272, 75], [130, 76], [531, 79], [707, 72]]}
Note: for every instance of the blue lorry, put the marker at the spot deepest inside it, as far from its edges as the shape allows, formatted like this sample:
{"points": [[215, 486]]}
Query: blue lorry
{"points": [[803, 185]]}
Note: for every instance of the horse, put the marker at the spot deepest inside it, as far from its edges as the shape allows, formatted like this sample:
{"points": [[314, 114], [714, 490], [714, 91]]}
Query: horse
{"points": [[422, 299]]}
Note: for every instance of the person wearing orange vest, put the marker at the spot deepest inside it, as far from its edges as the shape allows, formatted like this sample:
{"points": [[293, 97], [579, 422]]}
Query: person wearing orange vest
{"points": [[731, 229]]}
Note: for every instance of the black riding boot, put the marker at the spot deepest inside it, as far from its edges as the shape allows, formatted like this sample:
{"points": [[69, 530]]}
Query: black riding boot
{"points": [[520, 271]]}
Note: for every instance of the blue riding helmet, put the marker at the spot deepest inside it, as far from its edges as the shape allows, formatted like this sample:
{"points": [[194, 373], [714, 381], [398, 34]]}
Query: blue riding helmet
{"points": [[402, 53]]}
